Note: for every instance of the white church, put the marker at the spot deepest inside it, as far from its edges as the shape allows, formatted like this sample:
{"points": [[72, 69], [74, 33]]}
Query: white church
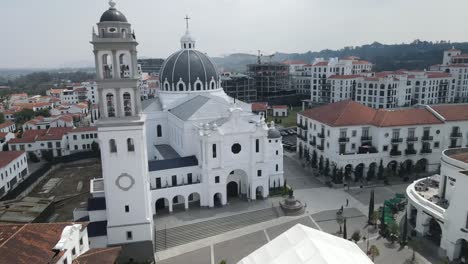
{"points": [[190, 146]]}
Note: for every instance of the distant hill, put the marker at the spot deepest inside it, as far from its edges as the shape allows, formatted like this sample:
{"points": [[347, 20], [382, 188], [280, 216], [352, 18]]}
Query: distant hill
{"points": [[415, 55]]}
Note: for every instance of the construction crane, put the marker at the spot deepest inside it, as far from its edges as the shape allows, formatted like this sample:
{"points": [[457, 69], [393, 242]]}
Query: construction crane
{"points": [[260, 55]]}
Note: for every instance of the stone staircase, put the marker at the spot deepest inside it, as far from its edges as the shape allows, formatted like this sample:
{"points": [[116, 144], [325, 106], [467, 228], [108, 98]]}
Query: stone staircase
{"points": [[180, 235]]}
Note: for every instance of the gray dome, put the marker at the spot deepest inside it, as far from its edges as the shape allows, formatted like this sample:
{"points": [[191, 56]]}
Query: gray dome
{"points": [[113, 15], [273, 133], [189, 65]]}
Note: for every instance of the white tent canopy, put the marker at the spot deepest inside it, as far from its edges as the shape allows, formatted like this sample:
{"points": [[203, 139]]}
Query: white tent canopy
{"points": [[304, 245]]}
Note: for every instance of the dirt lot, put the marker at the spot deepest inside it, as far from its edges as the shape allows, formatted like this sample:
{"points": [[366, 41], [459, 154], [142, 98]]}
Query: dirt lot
{"points": [[69, 185]]}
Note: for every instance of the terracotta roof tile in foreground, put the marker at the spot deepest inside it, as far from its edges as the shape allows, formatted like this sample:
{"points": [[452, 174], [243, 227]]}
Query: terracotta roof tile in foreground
{"points": [[99, 255], [30, 243]]}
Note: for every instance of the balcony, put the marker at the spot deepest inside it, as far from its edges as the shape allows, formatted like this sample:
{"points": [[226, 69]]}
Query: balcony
{"points": [[455, 135], [301, 137], [312, 143], [166, 185], [426, 150], [320, 147], [411, 139], [300, 125], [395, 152], [366, 138], [321, 135], [367, 150], [427, 138], [424, 195], [397, 140], [343, 139], [410, 151]]}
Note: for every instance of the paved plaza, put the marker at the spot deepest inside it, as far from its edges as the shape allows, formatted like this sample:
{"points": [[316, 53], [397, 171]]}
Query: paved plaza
{"points": [[232, 232]]}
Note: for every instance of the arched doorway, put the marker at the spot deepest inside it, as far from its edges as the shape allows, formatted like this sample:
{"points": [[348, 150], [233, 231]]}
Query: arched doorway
{"points": [[371, 171], [259, 192], [434, 231], [218, 199], [348, 170], [393, 165], [194, 200], [359, 172], [162, 206], [237, 185], [232, 189], [178, 203], [461, 250]]}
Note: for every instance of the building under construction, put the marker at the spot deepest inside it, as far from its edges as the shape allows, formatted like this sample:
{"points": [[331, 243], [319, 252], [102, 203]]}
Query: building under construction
{"points": [[271, 80], [239, 86]]}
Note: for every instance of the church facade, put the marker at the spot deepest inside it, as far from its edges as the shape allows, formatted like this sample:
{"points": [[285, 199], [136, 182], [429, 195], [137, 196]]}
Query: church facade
{"points": [[191, 144]]}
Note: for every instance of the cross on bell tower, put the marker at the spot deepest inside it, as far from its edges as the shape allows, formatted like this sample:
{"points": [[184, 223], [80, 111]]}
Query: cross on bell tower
{"points": [[187, 18]]}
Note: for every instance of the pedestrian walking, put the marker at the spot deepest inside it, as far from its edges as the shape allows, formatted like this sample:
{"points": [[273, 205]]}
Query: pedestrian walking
{"points": [[347, 202]]}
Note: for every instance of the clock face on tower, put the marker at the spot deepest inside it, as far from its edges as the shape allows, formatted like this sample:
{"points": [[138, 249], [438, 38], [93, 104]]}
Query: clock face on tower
{"points": [[125, 182]]}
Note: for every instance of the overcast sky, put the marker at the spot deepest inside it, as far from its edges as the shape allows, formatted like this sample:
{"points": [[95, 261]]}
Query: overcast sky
{"points": [[51, 33]]}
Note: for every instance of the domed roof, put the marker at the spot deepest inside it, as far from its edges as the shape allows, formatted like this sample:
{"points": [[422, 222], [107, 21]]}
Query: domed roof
{"points": [[112, 14], [188, 65], [273, 133]]}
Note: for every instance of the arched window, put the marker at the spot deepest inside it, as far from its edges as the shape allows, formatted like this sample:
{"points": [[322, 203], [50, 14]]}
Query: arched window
{"points": [[112, 146], [166, 86], [212, 85], [106, 67], [110, 105], [181, 86], [159, 131], [198, 86], [130, 145], [189, 45], [127, 104]]}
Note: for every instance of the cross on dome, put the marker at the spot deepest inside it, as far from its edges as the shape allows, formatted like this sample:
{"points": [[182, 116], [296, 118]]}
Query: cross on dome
{"points": [[112, 3], [187, 41], [187, 21]]}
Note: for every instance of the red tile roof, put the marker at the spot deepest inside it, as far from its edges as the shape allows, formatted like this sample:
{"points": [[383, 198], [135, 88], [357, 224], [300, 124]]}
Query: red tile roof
{"points": [[8, 156], [461, 56], [404, 117], [260, 106], [30, 243], [292, 62], [6, 124], [83, 129], [350, 113], [321, 63], [438, 75], [342, 77], [455, 112], [3, 135], [361, 62], [280, 107], [99, 255], [342, 113]]}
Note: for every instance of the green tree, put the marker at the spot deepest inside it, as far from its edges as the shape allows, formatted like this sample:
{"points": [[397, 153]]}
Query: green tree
{"points": [[382, 221], [394, 230], [371, 173], [401, 170], [339, 176], [380, 172], [374, 252], [356, 236], [334, 174], [23, 116], [95, 147], [371, 207], [326, 170], [321, 164], [345, 230], [306, 155], [314, 159], [43, 112], [2, 118], [404, 234]]}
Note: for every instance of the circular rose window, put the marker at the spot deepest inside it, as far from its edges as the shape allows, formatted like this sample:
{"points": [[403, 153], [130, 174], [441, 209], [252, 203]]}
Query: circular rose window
{"points": [[236, 148]]}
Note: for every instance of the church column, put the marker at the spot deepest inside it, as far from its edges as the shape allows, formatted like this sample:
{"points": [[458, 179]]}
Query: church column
{"points": [[98, 67], [119, 105], [115, 65], [103, 101]]}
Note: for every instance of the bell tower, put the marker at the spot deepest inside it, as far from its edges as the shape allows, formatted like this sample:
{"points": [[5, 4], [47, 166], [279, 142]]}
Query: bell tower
{"points": [[122, 137]]}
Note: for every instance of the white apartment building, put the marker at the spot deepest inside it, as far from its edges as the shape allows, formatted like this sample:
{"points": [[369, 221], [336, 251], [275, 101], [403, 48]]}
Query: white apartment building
{"points": [[7, 126], [322, 69], [437, 206], [41, 122], [357, 137], [13, 169], [300, 76], [4, 138], [77, 92]]}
